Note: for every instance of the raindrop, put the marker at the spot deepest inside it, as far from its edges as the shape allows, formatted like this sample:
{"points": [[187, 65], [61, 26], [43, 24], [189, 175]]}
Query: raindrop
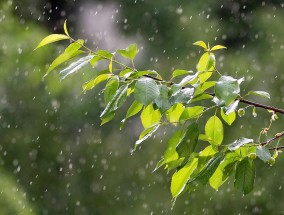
{"points": [[179, 10]]}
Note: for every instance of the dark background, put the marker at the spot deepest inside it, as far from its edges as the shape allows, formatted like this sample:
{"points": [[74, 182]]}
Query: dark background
{"points": [[56, 159]]}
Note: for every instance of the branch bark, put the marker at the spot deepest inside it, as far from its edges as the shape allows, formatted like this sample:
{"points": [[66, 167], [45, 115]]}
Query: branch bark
{"points": [[267, 107], [277, 136]]}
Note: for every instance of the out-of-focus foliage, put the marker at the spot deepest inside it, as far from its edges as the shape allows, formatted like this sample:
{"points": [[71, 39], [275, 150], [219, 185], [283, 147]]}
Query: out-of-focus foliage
{"points": [[69, 165]]}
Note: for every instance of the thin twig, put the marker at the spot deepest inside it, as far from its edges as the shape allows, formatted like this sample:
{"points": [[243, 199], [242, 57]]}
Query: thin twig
{"points": [[267, 107], [277, 136], [277, 148]]}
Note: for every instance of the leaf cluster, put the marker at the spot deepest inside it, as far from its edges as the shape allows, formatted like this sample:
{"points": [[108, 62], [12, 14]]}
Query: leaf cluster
{"points": [[195, 154]]}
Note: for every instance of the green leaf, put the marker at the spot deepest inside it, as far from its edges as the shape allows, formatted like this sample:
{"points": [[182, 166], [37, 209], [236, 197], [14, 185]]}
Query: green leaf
{"points": [[117, 101], [201, 97], [146, 134], [203, 177], [175, 164], [182, 96], [239, 143], [133, 109], [125, 73], [227, 89], [110, 65], [162, 101], [192, 112], [138, 74], [217, 47], [130, 52], [189, 140], [107, 117], [211, 62], [201, 44], [245, 175], [260, 93], [230, 118], [224, 170], [174, 113], [232, 107], [65, 28], [149, 116], [189, 79], [179, 72], [71, 51], [159, 164], [146, 91], [200, 88], [170, 153], [94, 60], [75, 66], [181, 177], [91, 84], [214, 130], [104, 54], [111, 87], [263, 153], [205, 66], [51, 39]]}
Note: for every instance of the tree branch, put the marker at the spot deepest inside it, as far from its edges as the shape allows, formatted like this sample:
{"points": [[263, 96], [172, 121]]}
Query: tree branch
{"points": [[277, 148], [276, 110], [277, 136]]}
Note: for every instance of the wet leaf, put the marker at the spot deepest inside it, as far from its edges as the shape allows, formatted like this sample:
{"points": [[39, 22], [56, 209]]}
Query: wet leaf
{"points": [[162, 101], [71, 51], [187, 144], [260, 93], [217, 47], [75, 66], [239, 143], [181, 177], [201, 44], [263, 153], [227, 89], [130, 52], [214, 130], [245, 175], [230, 118], [110, 88], [145, 134], [170, 152], [146, 91], [180, 72], [51, 39], [99, 79], [65, 28], [224, 170], [150, 116], [174, 113]]}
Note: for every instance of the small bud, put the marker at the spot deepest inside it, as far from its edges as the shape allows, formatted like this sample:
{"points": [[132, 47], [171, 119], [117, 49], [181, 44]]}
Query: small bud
{"points": [[271, 161], [252, 155], [241, 112], [254, 112], [275, 154], [274, 117], [265, 130]]}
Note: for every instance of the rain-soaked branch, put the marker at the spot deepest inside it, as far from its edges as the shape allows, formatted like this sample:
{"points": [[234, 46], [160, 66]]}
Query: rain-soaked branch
{"points": [[255, 104], [277, 136], [277, 148], [267, 107]]}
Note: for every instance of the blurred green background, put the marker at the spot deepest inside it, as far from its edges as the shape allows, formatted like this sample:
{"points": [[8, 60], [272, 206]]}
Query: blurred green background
{"points": [[54, 156]]}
